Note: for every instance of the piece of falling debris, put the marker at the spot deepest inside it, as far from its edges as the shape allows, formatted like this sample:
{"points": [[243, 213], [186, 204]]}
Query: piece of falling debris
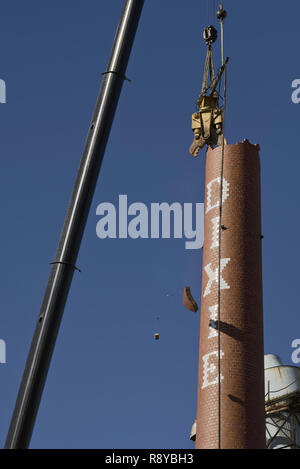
{"points": [[189, 301], [156, 336]]}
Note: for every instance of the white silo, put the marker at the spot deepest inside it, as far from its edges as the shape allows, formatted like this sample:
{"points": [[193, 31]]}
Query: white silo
{"points": [[282, 404]]}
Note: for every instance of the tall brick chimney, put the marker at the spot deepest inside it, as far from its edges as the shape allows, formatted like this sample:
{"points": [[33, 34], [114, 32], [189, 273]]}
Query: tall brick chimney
{"points": [[241, 389]]}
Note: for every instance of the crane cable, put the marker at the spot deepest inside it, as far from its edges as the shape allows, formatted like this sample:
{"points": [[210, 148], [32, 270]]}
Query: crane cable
{"points": [[219, 262], [208, 12], [222, 41], [221, 15], [220, 235]]}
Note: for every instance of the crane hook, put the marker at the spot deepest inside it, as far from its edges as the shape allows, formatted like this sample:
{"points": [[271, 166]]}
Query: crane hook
{"points": [[210, 35], [221, 13]]}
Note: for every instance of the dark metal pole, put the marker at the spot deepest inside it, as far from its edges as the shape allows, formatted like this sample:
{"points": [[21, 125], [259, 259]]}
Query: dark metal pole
{"points": [[62, 270]]}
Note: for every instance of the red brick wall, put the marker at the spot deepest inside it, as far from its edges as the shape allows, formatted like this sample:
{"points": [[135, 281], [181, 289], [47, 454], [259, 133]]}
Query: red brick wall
{"points": [[242, 367]]}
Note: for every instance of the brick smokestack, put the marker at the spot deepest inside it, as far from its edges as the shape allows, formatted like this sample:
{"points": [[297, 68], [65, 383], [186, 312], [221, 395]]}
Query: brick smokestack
{"points": [[241, 326]]}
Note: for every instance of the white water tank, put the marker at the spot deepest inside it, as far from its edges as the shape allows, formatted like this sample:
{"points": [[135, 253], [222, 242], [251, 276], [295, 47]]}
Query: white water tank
{"points": [[282, 403]]}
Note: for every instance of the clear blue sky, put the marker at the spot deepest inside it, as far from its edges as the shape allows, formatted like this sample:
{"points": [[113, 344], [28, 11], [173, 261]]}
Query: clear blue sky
{"points": [[110, 384]]}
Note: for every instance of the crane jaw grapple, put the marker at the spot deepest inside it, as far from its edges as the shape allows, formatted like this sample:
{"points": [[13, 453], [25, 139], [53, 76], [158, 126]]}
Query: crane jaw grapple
{"points": [[207, 125], [208, 122]]}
